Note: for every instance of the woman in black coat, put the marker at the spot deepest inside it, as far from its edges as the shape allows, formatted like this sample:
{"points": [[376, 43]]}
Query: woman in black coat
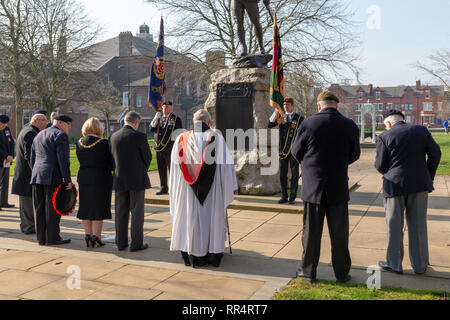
{"points": [[94, 180]]}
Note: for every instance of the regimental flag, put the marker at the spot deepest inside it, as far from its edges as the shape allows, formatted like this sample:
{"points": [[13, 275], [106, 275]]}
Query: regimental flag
{"points": [[157, 85], [276, 77]]}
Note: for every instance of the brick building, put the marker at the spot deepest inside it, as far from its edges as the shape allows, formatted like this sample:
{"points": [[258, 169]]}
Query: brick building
{"points": [[421, 104], [125, 61]]}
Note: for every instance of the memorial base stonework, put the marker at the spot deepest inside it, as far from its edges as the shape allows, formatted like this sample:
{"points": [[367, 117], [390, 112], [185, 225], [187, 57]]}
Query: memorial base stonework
{"points": [[239, 99]]}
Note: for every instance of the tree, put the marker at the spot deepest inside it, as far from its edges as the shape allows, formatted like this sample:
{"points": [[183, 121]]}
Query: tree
{"points": [[438, 65], [105, 99], [16, 29], [62, 50], [317, 34]]}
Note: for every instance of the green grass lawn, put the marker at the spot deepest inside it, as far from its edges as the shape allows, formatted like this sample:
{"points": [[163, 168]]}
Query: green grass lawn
{"points": [[75, 165], [299, 289], [444, 142]]}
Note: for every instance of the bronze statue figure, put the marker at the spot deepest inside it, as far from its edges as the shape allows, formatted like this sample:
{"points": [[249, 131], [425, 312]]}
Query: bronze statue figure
{"points": [[251, 7]]}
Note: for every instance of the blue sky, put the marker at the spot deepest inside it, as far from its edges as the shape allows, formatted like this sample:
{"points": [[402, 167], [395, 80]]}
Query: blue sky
{"points": [[409, 30]]}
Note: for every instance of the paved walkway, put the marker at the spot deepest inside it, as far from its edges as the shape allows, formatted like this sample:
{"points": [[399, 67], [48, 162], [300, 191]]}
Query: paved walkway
{"points": [[266, 252]]}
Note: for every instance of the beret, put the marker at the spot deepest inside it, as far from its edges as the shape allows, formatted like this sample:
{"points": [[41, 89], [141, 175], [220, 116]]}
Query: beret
{"points": [[40, 112], [168, 103], [62, 117], [4, 118], [393, 112], [289, 100], [327, 96]]}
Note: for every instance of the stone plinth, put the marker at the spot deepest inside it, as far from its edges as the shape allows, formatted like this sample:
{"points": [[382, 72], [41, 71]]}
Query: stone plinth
{"points": [[250, 178]]}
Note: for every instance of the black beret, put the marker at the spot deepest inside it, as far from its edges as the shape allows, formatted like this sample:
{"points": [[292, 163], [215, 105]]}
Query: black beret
{"points": [[168, 103], [4, 118], [393, 112], [40, 112], [62, 117]]}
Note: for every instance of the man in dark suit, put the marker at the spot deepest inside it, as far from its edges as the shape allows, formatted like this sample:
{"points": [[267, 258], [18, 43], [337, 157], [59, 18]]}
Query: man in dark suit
{"points": [[6, 158], [288, 130], [52, 118], [326, 144], [22, 172], [132, 158], [164, 126], [50, 161], [408, 158]]}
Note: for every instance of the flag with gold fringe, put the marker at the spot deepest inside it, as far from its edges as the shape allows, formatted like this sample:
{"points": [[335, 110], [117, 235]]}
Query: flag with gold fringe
{"points": [[276, 77], [157, 85]]}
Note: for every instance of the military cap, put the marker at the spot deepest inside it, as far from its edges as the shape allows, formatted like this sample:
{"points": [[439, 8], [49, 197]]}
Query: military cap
{"points": [[4, 118], [393, 112], [62, 117], [327, 96], [41, 111], [169, 103], [289, 100]]}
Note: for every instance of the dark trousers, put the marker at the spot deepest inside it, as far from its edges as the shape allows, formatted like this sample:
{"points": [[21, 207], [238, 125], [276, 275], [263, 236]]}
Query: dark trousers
{"points": [[126, 201], [163, 160], [26, 214], [4, 186], [284, 166], [338, 226], [47, 220]]}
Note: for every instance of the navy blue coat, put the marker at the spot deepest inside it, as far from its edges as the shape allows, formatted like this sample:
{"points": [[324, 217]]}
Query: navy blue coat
{"points": [[401, 158], [50, 157], [326, 144], [6, 145]]}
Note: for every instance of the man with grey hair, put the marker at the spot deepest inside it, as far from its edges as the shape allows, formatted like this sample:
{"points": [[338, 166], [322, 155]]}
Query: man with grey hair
{"points": [[22, 172], [202, 184], [407, 180], [132, 158]]}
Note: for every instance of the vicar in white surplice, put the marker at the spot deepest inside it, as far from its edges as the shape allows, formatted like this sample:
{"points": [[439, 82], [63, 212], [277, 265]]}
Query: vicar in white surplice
{"points": [[202, 184]]}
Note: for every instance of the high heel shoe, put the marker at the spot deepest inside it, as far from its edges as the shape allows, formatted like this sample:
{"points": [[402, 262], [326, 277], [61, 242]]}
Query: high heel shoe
{"points": [[89, 241], [96, 240]]}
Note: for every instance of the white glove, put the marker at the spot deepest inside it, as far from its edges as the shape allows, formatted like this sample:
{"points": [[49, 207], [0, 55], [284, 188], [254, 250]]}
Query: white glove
{"points": [[274, 116], [158, 116]]}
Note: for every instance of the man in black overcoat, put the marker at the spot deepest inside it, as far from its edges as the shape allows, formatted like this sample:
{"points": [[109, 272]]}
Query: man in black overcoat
{"points": [[326, 144], [6, 157], [164, 126], [132, 158], [22, 172], [50, 161]]}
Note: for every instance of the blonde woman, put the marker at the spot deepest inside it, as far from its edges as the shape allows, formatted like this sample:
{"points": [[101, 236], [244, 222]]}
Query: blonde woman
{"points": [[94, 180]]}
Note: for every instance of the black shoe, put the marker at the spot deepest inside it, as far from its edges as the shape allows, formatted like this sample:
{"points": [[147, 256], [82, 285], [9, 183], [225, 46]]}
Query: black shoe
{"points": [[41, 243], [347, 278], [200, 262], [292, 202], [8, 205], [32, 231], [283, 200], [88, 240], [97, 241], [305, 277], [122, 248], [186, 260], [162, 192], [142, 247], [60, 241], [214, 259], [385, 267]]}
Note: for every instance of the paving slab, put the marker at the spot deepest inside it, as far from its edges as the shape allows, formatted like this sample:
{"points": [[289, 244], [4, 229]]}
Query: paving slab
{"points": [[209, 287], [287, 219], [256, 249], [16, 282], [23, 260], [59, 290], [123, 293], [137, 276], [243, 225], [273, 233]]}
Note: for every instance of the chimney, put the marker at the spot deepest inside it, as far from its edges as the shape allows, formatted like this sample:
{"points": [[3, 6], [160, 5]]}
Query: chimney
{"points": [[418, 85], [370, 89], [125, 43], [215, 59]]}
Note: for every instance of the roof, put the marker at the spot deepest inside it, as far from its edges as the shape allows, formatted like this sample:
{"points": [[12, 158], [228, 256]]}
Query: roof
{"points": [[106, 50], [391, 92]]}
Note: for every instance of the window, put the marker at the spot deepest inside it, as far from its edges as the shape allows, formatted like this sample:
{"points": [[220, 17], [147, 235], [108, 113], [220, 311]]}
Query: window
{"points": [[188, 89], [427, 94], [380, 107], [5, 109], [439, 106], [111, 128], [408, 119], [427, 106], [139, 101], [358, 119], [107, 80], [408, 95], [125, 99], [358, 107], [27, 115], [389, 106], [379, 119], [360, 95], [396, 106], [378, 95]]}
